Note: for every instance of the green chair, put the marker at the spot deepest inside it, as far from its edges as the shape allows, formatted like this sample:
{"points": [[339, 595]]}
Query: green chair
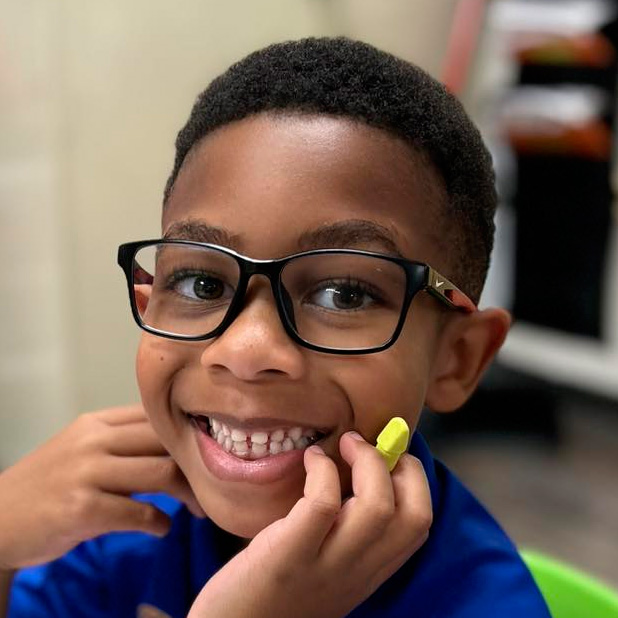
{"points": [[570, 593]]}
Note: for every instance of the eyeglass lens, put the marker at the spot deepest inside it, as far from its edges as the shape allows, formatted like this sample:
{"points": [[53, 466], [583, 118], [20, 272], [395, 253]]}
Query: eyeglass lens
{"points": [[341, 301]]}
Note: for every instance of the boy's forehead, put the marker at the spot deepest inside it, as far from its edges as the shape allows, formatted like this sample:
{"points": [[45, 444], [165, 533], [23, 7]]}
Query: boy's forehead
{"points": [[324, 180]]}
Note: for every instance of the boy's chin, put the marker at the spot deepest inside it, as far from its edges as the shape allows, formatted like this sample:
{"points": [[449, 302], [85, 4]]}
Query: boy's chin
{"points": [[246, 521], [245, 527]]}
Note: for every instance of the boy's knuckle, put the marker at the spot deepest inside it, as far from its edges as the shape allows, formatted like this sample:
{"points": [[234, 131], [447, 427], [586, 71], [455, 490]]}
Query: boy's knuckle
{"points": [[78, 429], [87, 420], [424, 518], [85, 471], [414, 542], [423, 538], [427, 521], [411, 463], [419, 520], [91, 442], [382, 513], [80, 504], [83, 418], [91, 435], [324, 506]]}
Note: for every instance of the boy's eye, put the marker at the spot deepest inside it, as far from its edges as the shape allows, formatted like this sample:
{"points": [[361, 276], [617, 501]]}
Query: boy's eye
{"points": [[342, 296], [204, 288], [199, 286]]}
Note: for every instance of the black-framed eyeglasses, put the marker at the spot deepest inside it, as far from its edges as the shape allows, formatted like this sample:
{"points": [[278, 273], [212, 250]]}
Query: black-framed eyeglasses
{"points": [[339, 301]]}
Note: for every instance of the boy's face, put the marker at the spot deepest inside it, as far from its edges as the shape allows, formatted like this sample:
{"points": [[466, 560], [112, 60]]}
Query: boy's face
{"points": [[268, 181]]}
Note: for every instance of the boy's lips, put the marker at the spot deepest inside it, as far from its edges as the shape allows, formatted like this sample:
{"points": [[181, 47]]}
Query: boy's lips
{"points": [[257, 450]]}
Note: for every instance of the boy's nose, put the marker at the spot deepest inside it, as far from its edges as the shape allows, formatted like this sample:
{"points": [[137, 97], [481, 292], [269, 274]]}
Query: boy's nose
{"points": [[255, 346]]}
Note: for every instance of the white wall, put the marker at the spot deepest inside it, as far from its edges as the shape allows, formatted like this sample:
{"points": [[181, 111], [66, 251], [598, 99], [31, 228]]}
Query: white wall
{"points": [[91, 97], [35, 392]]}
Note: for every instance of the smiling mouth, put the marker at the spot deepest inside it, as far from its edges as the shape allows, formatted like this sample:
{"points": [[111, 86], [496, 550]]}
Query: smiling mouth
{"points": [[256, 444]]}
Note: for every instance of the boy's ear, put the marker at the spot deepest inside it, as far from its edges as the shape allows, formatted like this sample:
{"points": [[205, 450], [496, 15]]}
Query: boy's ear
{"points": [[467, 345], [142, 296]]}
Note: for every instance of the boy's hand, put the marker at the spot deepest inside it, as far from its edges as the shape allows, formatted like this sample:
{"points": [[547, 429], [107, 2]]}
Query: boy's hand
{"points": [[324, 559], [77, 486]]}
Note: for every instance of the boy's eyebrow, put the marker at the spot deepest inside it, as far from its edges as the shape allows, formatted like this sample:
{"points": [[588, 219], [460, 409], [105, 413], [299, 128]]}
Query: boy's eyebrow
{"points": [[196, 230], [346, 234], [339, 235]]}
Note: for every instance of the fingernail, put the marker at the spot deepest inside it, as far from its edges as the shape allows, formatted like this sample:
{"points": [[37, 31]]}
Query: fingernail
{"points": [[316, 449], [356, 436]]}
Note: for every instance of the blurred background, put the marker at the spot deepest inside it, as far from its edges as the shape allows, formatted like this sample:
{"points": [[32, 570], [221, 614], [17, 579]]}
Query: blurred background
{"points": [[92, 95]]}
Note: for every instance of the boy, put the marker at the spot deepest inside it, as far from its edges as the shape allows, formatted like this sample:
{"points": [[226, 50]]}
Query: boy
{"points": [[288, 312]]}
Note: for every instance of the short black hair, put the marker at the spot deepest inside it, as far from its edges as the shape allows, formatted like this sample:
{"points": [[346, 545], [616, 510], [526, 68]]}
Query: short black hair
{"points": [[354, 80]]}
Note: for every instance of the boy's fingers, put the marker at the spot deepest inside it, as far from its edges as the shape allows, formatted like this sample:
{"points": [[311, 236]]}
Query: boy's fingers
{"points": [[370, 476], [312, 517], [412, 498], [372, 507], [122, 414], [127, 475], [135, 439], [117, 514], [412, 520], [380, 535]]}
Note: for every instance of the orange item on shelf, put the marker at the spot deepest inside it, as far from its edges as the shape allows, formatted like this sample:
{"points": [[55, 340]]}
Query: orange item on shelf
{"points": [[590, 141], [585, 50]]}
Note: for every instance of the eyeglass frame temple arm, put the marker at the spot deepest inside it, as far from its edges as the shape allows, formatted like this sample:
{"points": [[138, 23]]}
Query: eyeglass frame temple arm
{"points": [[448, 293]]}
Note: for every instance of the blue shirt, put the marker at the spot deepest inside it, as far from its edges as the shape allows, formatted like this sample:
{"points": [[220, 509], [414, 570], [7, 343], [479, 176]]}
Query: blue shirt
{"points": [[468, 568]]}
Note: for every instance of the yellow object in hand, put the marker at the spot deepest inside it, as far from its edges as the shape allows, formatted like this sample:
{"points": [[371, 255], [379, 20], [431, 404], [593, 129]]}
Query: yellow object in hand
{"points": [[393, 441]]}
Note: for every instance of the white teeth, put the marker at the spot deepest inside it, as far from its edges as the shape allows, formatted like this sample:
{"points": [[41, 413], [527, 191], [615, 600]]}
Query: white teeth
{"points": [[258, 444], [259, 437], [238, 435], [240, 448], [277, 435], [295, 433], [259, 450]]}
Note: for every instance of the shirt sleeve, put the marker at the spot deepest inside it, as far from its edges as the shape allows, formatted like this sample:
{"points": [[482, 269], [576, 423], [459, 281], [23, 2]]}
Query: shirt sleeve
{"points": [[73, 586]]}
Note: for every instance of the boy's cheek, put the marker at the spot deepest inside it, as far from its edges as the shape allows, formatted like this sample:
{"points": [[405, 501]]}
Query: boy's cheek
{"points": [[156, 364], [146, 370], [384, 385], [380, 388]]}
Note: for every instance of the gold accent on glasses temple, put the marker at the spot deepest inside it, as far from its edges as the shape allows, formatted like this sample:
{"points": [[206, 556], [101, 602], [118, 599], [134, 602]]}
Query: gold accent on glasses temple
{"points": [[439, 287]]}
